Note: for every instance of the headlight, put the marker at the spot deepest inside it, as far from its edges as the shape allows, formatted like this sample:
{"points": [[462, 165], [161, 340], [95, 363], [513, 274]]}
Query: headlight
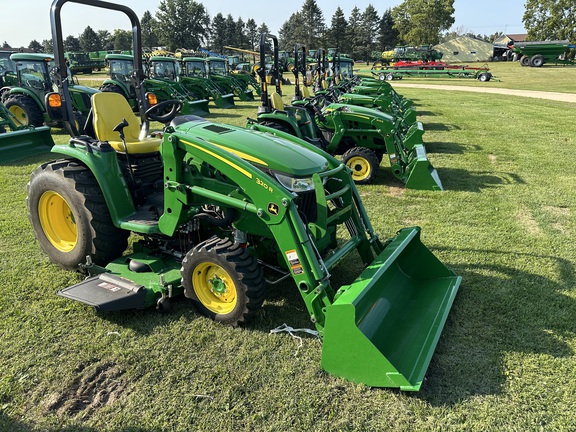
{"points": [[295, 184]]}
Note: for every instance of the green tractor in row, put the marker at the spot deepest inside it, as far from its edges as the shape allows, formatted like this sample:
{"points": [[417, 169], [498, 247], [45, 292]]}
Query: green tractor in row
{"points": [[190, 77], [158, 81], [220, 211], [17, 141], [360, 135], [25, 87]]}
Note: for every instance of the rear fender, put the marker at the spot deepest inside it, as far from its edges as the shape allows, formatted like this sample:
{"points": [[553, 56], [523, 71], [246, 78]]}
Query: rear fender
{"points": [[27, 92], [102, 161]]}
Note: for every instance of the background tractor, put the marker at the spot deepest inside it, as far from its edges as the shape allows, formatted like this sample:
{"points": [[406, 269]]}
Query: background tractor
{"points": [[361, 135], [193, 76], [158, 81], [25, 88]]}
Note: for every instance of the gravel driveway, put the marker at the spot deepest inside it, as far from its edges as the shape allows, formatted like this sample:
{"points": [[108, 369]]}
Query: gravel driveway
{"points": [[562, 97]]}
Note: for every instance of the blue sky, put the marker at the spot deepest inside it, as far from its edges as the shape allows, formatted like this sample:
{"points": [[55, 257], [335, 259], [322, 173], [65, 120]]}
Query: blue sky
{"points": [[484, 16]]}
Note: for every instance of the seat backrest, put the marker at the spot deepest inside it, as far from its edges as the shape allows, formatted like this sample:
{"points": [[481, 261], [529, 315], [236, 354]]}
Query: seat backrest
{"points": [[277, 102], [109, 109], [305, 92]]}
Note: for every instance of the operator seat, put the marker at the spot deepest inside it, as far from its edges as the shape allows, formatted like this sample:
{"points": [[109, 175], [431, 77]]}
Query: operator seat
{"points": [[109, 109]]}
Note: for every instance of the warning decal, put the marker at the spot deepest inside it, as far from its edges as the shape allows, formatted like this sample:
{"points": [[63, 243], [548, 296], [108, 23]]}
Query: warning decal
{"points": [[294, 262], [109, 286]]}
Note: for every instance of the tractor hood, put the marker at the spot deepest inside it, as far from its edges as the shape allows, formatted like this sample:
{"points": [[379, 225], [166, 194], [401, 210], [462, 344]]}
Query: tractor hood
{"points": [[259, 148], [360, 110]]}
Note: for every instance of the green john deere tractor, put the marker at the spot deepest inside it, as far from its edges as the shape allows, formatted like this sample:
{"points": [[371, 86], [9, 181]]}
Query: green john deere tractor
{"points": [[361, 135], [331, 88], [217, 71], [159, 81], [220, 209], [26, 86], [17, 141], [193, 77]]}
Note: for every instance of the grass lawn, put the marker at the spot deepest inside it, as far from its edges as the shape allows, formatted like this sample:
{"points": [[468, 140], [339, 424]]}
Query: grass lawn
{"points": [[506, 223]]}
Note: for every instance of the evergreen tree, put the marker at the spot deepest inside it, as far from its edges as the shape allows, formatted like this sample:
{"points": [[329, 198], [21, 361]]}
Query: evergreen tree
{"points": [[388, 34], [252, 34], [230, 31], [354, 35], [241, 38], [218, 33], [369, 31], [89, 40], [71, 44], [106, 41], [338, 30], [314, 27], [149, 38], [35, 46], [292, 32]]}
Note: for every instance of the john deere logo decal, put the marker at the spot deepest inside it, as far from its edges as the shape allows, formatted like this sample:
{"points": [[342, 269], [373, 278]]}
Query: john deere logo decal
{"points": [[273, 209]]}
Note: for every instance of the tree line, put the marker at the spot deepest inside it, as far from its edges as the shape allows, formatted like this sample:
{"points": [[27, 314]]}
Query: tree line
{"points": [[187, 24]]}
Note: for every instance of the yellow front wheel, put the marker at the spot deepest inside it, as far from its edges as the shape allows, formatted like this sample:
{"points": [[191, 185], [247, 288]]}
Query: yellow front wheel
{"points": [[214, 288], [363, 163], [224, 281]]}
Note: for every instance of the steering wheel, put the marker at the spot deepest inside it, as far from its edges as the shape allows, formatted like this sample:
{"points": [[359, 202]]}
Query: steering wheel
{"points": [[158, 112], [314, 103]]}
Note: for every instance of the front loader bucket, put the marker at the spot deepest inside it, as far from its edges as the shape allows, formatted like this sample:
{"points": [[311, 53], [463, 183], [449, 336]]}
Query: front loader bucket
{"points": [[420, 174], [198, 107], [383, 328], [224, 101], [25, 142]]}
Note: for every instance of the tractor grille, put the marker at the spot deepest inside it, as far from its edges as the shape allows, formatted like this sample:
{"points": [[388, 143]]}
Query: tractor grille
{"points": [[307, 206], [218, 128]]}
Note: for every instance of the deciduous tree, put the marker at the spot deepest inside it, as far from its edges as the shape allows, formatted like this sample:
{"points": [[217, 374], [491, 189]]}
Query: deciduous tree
{"points": [[550, 19], [182, 24], [420, 22]]}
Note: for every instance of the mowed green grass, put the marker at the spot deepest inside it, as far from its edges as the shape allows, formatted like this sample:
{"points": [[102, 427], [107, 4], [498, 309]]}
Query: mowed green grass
{"points": [[506, 223]]}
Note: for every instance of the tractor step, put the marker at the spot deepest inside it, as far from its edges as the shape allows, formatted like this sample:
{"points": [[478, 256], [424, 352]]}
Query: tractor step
{"points": [[107, 292]]}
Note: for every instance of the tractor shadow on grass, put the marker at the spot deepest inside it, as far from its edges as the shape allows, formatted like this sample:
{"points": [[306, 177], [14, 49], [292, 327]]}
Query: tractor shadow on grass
{"points": [[500, 311], [476, 181], [432, 126], [448, 147]]}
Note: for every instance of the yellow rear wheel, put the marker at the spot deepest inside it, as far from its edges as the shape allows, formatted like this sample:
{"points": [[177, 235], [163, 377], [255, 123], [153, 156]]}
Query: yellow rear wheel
{"points": [[70, 217], [57, 221]]}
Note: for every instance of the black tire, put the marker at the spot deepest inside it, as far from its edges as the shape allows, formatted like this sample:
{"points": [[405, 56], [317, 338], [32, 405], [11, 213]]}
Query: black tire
{"points": [[484, 77], [70, 217], [537, 60], [282, 127], [525, 61], [113, 88], [364, 164], [233, 270], [25, 110]]}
